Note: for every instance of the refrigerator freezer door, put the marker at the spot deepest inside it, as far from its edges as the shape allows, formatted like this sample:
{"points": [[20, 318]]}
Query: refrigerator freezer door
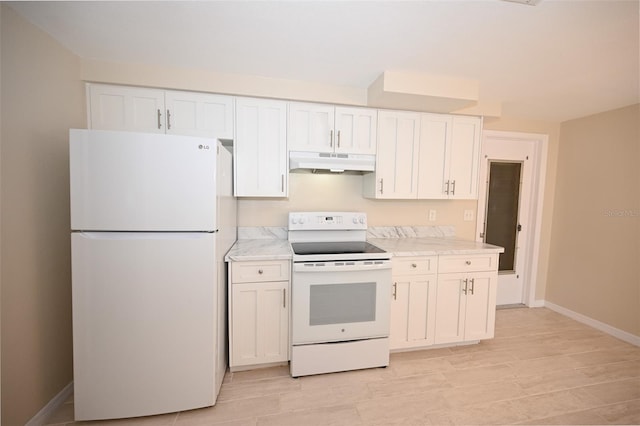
{"points": [[124, 181], [143, 323]]}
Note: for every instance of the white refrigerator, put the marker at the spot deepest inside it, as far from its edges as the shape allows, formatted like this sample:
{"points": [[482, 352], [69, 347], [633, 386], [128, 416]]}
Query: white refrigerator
{"points": [[152, 217]]}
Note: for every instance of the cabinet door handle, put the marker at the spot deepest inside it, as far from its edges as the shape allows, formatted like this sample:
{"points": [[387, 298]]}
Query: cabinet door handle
{"points": [[453, 191], [473, 284], [395, 291], [331, 138], [168, 120], [381, 186], [338, 138], [159, 119], [284, 297], [466, 283], [282, 183], [446, 191]]}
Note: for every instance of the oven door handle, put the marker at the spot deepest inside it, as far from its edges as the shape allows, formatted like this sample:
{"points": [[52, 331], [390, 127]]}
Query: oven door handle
{"points": [[319, 267]]}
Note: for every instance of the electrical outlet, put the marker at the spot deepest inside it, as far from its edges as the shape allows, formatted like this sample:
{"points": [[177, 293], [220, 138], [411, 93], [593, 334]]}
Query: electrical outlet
{"points": [[468, 215], [432, 215]]}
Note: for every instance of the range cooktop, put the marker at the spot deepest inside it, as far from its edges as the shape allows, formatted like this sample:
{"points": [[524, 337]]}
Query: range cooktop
{"points": [[335, 247]]}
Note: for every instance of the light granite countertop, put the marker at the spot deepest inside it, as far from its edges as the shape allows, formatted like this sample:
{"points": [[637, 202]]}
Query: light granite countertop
{"points": [[259, 249], [260, 244], [430, 246]]}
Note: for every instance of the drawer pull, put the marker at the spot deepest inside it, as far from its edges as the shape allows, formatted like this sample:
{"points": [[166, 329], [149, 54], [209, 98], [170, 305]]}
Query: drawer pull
{"points": [[260, 271], [413, 265], [468, 262]]}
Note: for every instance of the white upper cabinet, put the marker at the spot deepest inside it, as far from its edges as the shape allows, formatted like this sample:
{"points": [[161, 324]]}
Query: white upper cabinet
{"points": [[356, 130], [329, 129], [260, 148], [139, 109], [126, 108], [465, 157], [396, 175], [199, 114], [449, 157]]}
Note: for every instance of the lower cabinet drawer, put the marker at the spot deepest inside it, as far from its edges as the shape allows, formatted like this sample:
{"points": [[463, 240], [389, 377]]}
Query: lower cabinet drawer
{"points": [[242, 272], [414, 265], [468, 263]]}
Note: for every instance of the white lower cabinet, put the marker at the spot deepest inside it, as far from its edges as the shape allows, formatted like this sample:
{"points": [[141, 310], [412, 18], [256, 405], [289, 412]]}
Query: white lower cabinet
{"points": [[258, 313], [466, 301], [413, 302], [439, 300]]}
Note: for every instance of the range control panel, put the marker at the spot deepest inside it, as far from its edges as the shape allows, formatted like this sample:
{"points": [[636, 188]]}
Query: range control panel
{"points": [[327, 221]]}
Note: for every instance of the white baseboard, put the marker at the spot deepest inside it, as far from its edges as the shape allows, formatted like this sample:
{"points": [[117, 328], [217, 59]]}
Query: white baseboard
{"points": [[615, 332], [537, 304], [46, 412]]}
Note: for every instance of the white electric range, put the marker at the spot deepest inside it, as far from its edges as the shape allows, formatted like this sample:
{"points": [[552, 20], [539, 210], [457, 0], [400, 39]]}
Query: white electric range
{"points": [[341, 287]]}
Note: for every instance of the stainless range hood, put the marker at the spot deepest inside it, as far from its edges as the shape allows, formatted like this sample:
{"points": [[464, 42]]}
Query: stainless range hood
{"points": [[331, 161]]}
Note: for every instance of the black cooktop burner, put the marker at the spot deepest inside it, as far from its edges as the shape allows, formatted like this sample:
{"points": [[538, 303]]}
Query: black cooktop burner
{"points": [[345, 247]]}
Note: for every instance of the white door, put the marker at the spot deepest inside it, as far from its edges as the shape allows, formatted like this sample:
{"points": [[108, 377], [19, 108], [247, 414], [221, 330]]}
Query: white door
{"points": [[397, 160], [143, 323], [311, 127], [260, 318], [504, 207], [126, 181], [199, 114], [126, 108], [463, 166], [356, 130], [435, 146], [260, 148], [480, 315]]}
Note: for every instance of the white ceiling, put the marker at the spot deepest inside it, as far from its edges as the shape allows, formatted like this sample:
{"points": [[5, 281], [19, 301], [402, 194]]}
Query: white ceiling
{"points": [[558, 60]]}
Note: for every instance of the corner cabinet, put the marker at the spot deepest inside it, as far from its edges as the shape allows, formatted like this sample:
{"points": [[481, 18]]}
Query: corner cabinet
{"points": [[449, 157], [258, 313], [466, 298], [396, 174], [332, 129], [413, 302], [260, 150], [139, 109]]}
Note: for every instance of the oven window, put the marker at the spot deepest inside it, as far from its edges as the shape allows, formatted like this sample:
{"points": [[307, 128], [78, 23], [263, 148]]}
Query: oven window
{"points": [[342, 303]]}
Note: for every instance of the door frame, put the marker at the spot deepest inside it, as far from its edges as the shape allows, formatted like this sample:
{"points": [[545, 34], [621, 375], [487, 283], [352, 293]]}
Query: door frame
{"points": [[539, 162]]}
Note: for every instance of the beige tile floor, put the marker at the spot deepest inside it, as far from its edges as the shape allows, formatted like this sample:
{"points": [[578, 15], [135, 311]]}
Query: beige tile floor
{"points": [[541, 368]]}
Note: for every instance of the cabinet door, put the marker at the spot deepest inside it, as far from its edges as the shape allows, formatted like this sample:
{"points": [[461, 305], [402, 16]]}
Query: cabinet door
{"points": [[435, 143], [450, 308], [356, 130], [199, 114], [311, 127], [259, 323], [396, 175], [481, 306], [413, 311], [465, 157], [126, 108], [260, 148]]}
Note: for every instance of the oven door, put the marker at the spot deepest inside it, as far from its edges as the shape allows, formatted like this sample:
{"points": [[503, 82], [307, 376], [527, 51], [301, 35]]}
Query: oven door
{"points": [[339, 301]]}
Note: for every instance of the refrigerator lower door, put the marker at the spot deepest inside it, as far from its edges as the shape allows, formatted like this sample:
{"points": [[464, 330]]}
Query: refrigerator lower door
{"points": [[143, 323]]}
